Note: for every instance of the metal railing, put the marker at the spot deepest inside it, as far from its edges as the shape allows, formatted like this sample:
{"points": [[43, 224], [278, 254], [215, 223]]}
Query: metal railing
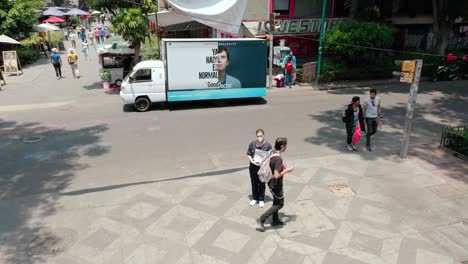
{"points": [[455, 139]]}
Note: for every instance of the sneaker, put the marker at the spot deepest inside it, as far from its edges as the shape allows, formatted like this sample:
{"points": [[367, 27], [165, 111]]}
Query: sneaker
{"points": [[58, 78], [353, 147], [261, 226], [277, 223], [369, 148], [350, 148], [253, 202], [261, 204]]}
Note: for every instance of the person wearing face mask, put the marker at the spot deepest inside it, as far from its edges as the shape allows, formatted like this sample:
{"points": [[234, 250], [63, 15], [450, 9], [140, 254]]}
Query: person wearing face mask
{"points": [[257, 151], [278, 170]]}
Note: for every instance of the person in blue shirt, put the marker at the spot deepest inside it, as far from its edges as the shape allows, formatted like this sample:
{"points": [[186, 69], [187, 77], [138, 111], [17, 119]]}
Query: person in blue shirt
{"points": [[57, 62], [102, 32], [285, 59]]}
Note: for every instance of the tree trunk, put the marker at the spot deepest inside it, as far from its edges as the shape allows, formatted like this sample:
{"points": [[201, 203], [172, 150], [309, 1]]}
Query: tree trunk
{"points": [[354, 9], [441, 24], [444, 37], [136, 46]]}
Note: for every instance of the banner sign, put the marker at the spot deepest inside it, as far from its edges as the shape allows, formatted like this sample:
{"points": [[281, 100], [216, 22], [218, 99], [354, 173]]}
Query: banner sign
{"points": [[10, 62], [217, 64], [224, 15], [298, 26]]}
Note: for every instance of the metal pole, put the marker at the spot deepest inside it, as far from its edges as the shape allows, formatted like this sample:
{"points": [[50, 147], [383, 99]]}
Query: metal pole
{"points": [[410, 110], [322, 35], [270, 65]]}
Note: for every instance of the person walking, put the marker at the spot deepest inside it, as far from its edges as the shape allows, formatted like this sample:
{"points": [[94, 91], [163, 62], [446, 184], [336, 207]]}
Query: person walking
{"points": [[354, 119], [102, 33], [288, 72], [83, 33], [86, 49], [72, 38], [257, 151], [91, 37], [278, 170], [373, 114], [96, 36], [57, 62], [73, 61]]}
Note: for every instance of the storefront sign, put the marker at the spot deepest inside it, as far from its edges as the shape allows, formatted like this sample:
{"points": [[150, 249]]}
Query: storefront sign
{"points": [[298, 26]]}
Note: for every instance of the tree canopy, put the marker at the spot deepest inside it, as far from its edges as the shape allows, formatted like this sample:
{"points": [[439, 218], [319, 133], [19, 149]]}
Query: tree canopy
{"points": [[18, 16]]}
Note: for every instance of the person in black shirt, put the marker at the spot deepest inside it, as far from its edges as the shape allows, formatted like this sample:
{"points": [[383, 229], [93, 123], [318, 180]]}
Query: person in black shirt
{"points": [[276, 185], [257, 151]]}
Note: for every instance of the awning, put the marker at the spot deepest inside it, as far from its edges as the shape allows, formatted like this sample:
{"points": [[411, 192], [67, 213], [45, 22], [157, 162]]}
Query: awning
{"points": [[6, 39], [169, 18]]}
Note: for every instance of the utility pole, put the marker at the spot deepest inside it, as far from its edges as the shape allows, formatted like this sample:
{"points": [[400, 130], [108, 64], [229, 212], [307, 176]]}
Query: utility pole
{"points": [[410, 110], [270, 65], [322, 36]]}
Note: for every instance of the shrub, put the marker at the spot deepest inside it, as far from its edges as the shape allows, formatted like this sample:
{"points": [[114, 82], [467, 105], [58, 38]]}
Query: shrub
{"points": [[368, 34], [28, 56]]}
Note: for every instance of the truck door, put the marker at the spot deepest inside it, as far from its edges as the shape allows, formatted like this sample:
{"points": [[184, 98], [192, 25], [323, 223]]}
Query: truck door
{"points": [[141, 82], [159, 85]]}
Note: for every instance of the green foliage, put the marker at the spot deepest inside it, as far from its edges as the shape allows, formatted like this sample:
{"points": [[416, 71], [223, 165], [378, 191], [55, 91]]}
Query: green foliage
{"points": [[18, 16], [28, 56], [150, 45], [368, 34], [33, 39], [132, 24]]}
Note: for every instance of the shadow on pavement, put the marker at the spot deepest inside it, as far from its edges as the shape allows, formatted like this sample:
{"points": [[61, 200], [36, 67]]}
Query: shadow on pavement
{"points": [[38, 162], [93, 86], [449, 108], [189, 105], [118, 186]]}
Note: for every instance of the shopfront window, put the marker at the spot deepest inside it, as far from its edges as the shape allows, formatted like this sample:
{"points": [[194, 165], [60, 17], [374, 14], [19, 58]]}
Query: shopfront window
{"points": [[281, 7]]}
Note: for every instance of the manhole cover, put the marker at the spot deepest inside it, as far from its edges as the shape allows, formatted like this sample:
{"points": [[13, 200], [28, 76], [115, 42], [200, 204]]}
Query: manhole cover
{"points": [[50, 244], [342, 190], [33, 139]]}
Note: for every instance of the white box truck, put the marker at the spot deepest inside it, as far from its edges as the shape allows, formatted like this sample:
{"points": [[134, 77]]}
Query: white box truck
{"points": [[198, 69]]}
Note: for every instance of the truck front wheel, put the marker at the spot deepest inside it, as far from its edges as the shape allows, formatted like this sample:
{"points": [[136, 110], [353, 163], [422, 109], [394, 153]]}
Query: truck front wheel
{"points": [[142, 104]]}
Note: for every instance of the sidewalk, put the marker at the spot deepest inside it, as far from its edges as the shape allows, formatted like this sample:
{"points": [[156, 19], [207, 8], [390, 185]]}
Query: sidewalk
{"points": [[402, 212]]}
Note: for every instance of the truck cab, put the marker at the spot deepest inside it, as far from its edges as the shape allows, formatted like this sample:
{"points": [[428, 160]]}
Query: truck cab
{"points": [[146, 84]]}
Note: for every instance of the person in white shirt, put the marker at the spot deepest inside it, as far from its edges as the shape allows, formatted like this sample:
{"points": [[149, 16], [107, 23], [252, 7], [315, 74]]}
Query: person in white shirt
{"points": [[373, 114]]}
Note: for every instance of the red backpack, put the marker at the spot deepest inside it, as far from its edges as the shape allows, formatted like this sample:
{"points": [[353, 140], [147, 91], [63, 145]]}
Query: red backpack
{"points": [[289, 68]]}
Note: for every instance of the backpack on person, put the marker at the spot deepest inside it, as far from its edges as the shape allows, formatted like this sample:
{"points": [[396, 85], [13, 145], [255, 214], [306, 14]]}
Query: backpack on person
{"points": [[264, 173]]}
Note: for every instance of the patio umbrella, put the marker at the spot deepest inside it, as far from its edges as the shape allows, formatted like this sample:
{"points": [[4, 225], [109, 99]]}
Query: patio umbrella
{"points": [[95, 12], [46, 27], [6, 39], [76, 12], [54, 19], [52, 11]]}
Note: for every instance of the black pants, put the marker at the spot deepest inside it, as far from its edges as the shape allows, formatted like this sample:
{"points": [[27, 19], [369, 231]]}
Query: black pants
{"points": [[258, 187], [58, 69], [278, 203], [371, 124]]}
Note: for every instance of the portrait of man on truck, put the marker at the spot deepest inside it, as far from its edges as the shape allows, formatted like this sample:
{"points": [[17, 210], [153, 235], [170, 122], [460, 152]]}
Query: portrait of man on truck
{"points": [[221, 63]]}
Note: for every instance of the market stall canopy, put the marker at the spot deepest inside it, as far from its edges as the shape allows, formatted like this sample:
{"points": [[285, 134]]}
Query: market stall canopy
{"points": [[45, 27], [7, 40], [54, 19], [76, 12], [114, 45], [52, 11], [224, 15]]}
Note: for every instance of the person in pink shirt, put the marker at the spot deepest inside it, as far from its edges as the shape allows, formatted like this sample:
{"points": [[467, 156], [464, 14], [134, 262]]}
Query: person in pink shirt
{"points": [[96, 35]]}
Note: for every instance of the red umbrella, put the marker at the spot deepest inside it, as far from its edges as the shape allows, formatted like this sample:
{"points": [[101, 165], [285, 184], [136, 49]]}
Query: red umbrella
{"points": [[54, 19]]}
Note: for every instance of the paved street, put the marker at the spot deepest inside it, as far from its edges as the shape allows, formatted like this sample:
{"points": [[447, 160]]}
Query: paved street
{"points": [[85, 180]]}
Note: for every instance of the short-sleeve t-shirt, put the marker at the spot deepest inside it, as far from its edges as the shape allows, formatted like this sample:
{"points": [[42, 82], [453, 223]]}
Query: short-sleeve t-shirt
{"points": [[372, 106], [259, 153], [276, 163], [72, 58], [55, 58]]}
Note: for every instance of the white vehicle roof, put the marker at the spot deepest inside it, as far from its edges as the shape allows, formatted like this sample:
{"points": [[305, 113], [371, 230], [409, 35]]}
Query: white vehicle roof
{"points": [[149, 64]]}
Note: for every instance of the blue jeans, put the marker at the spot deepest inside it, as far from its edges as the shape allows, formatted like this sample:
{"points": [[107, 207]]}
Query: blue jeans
{"points": [[288, 78]]}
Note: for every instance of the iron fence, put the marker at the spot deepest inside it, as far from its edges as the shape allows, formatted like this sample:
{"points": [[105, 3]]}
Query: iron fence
{"points": [[455, 139]]}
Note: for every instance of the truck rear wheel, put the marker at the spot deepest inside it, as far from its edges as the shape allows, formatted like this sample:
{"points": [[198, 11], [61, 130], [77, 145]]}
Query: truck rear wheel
{"points": [[142, 104]]}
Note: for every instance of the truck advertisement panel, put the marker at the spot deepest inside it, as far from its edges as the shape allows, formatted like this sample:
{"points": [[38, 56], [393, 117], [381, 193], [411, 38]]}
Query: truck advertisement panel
{"points": [[230, 64]]}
